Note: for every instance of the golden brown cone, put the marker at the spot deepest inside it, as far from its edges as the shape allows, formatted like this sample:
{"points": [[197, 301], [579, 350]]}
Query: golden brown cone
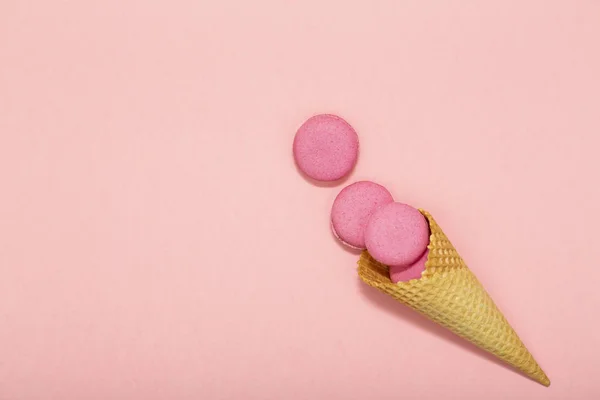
{"points": [[449, 294]]}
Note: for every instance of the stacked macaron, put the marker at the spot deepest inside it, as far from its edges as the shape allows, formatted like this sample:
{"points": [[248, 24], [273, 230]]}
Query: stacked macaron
{"points": [[364, 214]]}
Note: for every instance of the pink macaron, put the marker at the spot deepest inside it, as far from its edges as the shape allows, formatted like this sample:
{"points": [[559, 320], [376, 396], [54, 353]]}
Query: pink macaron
{"points": [[413, 271], [352, 209], [397, 235], [326, 148]]}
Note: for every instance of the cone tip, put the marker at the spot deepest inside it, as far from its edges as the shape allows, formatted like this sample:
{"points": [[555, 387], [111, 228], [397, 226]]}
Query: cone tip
{"points": [[542, 378], [545, 382]]}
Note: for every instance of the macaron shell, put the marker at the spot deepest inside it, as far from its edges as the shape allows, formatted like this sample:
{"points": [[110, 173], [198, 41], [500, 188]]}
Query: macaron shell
{"points": [[397, 235], [414, 271], [326, 148], [352, 209], [341, 241]]}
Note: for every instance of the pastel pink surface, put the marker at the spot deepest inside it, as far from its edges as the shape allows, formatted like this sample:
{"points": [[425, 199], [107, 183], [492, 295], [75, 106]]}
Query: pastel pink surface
{"points": [[352, 208], [397, 234], [326, 147], [413, 271], [157, 242]]}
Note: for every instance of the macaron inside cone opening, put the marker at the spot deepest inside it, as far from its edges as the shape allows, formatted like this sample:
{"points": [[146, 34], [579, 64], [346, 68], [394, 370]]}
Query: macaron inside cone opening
{"points": [[413, 271]]}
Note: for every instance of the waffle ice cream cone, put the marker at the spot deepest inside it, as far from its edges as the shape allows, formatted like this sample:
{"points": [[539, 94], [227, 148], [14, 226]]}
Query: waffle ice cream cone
{"points": [[449, 294]]}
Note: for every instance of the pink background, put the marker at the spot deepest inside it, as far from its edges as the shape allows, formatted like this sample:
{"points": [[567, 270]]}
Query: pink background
{"points": [[157, 242]]}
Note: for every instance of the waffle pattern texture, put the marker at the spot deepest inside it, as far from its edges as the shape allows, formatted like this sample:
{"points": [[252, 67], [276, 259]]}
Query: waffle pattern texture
{"points": [[449, 294]]}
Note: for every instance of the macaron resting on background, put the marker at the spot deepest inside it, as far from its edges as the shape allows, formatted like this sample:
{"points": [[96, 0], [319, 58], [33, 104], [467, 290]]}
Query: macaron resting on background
{"points": [[326, 147], [352, 208], [397, 234]]}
